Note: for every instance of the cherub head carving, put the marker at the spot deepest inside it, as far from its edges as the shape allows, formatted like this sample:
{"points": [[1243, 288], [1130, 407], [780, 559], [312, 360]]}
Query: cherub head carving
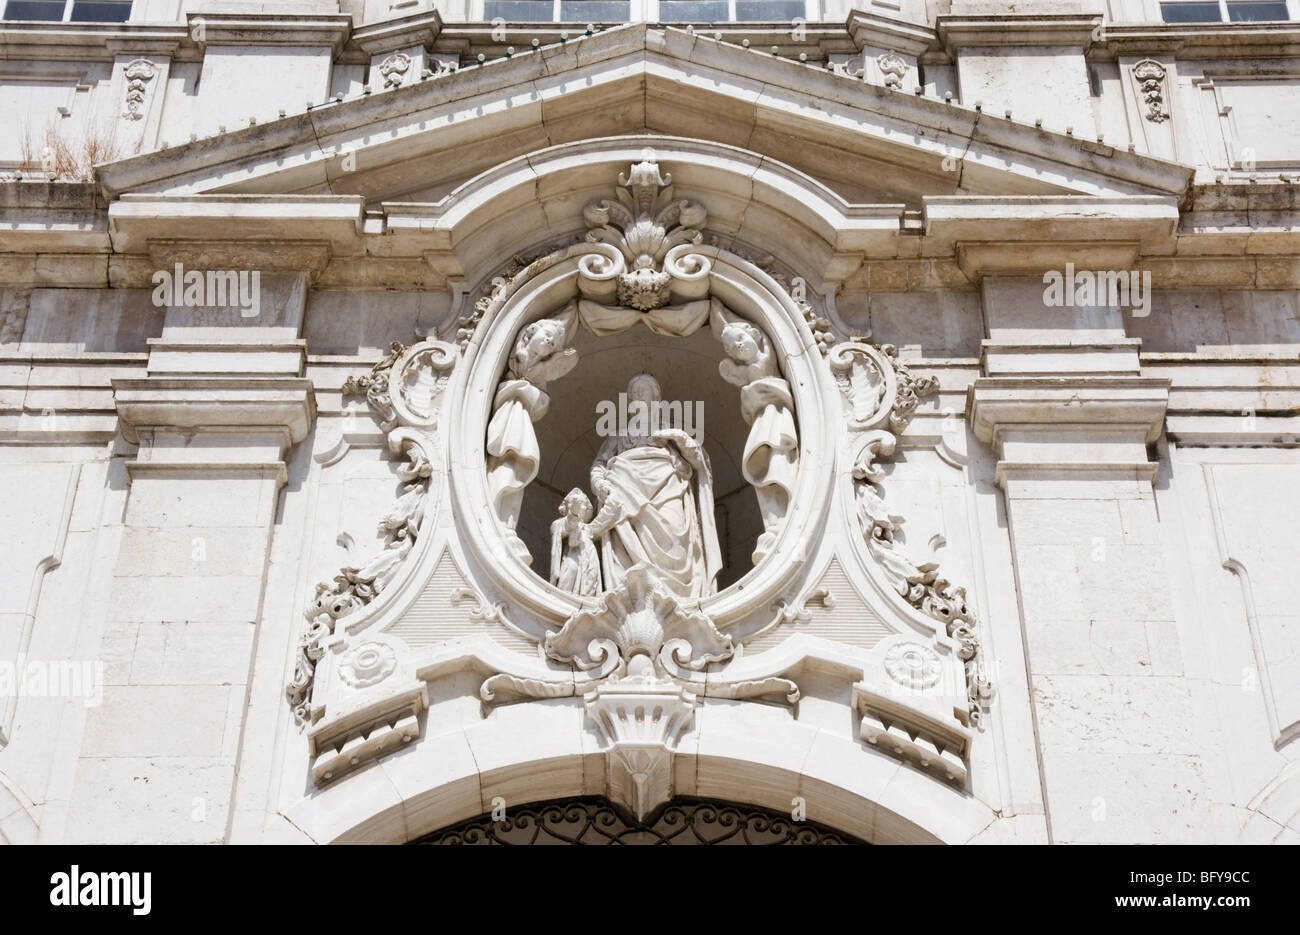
{"points": [[540, 354], [743, 342], [749, 355]]}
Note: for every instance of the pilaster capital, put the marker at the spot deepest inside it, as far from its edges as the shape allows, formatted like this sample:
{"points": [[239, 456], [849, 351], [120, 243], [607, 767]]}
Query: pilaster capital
{"points": [[1069, 428], [217, 406]]}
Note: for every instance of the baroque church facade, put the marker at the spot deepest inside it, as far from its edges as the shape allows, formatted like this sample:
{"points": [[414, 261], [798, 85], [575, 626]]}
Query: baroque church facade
{"points": [[650, 421]]}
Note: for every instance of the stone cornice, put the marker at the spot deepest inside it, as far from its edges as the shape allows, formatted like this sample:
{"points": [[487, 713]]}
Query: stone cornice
{"points": [[137, 223], [817, 40], [1203, 40], [420, 28], [883, 32], [661, 55], [1027, 234], [88, 42], [996, 404], [216, 403], [1021, 29], [1210, 430], [283, 30]]}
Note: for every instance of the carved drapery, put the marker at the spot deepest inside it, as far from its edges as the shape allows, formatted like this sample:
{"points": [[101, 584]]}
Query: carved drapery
{"points": [[642, 657], [641, 257]]}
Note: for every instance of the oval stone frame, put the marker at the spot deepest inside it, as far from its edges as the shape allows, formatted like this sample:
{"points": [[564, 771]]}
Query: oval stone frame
{"points": [[544, 288]]}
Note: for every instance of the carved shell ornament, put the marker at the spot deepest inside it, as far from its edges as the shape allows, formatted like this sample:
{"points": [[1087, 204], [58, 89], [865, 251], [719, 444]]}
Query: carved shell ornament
{"points": [[643, 225]]}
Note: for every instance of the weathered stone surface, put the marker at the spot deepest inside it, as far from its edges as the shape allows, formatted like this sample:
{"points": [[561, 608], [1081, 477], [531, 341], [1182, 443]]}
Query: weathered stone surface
{"points": [[947, 556]]}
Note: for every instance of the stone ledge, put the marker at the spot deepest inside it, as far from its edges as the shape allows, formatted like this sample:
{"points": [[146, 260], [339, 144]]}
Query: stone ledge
{"points": [[1017, 29], [1051, 472], [88, 42], [874, 30], [278, 29], [995, 403], [1236, 431], [420, 28], [1201, 40], [213, 403]]}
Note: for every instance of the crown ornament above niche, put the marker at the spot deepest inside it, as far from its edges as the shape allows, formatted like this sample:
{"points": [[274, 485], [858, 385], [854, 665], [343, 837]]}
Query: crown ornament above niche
{"points": [[644, 224]]}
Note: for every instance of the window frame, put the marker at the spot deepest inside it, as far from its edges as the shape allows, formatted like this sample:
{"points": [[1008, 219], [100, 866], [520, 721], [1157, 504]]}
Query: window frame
{"points": [[67, 14], [1292, 11], [647, 11]]}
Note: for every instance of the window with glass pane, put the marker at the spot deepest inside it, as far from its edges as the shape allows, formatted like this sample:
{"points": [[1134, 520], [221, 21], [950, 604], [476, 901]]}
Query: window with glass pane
{"points": [[98, 11], [34, 10], [693, 11], [82, 11], [1191, 12], [768, 11], [1257, 12], [594, 11], [519, 11]]}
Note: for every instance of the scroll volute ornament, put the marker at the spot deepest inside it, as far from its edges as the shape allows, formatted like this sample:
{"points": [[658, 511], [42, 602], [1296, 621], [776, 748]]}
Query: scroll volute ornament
{"points": [[404, 391], [880, 396], [647, 228]]}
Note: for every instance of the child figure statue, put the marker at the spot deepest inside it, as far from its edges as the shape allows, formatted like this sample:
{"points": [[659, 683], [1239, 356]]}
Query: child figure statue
{"points": [[575, 565]]}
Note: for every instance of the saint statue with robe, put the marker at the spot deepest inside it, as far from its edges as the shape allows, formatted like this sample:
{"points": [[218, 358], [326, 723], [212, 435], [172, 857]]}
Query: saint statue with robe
{"points": [[654, 487]]}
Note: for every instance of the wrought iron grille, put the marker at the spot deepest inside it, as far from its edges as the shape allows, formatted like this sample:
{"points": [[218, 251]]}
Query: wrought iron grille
{"points": [[596, 821]]}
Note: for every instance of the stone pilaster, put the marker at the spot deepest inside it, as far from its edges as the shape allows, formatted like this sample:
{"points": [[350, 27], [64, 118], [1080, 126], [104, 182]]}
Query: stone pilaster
{"points": [[1070, 421], [223, 402]]}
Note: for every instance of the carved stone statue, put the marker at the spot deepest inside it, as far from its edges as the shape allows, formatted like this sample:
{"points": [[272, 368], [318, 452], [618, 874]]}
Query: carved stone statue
{"points": [[656, 504], [539, 356], [575, 565], [771, 458]]}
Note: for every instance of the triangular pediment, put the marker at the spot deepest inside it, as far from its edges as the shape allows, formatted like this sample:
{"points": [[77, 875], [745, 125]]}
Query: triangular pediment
{"points": [[868, 144]]}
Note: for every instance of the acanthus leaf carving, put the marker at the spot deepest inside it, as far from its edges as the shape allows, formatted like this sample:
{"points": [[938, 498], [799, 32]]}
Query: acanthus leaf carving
{"points": [[880, 397], [403, 391], [639, 656]]}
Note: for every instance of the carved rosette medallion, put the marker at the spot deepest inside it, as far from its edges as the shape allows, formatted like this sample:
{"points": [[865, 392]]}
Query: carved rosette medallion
{"points": [[368, 664], [913, 665]]}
